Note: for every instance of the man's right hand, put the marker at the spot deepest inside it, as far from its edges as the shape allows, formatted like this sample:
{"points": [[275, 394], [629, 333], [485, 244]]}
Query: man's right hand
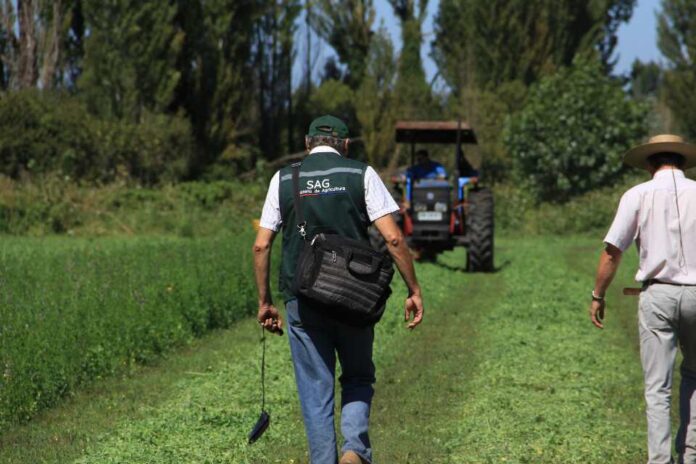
{"points": [[396, 245], [270, 319], [413, 307]]}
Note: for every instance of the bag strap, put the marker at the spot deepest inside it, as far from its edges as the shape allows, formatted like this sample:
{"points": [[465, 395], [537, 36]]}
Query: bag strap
{"points": [[301, 223]]}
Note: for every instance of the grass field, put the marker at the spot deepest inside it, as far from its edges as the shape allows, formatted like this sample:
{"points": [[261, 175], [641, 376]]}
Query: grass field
{"points": [[72, 311], [505, 368]]}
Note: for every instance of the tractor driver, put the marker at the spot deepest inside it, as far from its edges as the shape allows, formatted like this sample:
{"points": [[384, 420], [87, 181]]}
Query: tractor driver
{"points": [[425, 168]]}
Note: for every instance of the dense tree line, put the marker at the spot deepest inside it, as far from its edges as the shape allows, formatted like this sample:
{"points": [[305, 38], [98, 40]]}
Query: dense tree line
{"points": [[217, 72], [187, 89]]}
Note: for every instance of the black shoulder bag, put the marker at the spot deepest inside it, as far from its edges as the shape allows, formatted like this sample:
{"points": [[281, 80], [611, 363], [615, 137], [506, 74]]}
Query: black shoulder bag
{"points": [[344, 278]]}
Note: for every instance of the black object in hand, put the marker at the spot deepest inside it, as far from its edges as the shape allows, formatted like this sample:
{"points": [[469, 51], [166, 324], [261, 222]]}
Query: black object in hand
{"points": [[260, 427]]}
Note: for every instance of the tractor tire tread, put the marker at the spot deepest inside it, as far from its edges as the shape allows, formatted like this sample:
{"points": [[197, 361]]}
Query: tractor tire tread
{"points": [[480, 230]]}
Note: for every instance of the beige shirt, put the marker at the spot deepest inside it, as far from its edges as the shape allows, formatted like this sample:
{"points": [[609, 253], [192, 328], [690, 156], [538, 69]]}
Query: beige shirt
{"points": [[648, 215]]}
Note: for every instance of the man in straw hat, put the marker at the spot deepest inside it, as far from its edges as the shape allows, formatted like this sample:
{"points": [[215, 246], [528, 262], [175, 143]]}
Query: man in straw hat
{"points": [[660, 216]]}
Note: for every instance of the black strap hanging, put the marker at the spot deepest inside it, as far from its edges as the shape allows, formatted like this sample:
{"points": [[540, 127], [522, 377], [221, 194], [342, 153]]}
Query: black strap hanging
{"points": [[263, 369], [265, 419], [299, 215]]}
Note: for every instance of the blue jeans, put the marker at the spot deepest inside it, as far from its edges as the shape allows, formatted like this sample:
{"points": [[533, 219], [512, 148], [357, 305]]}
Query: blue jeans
{"points": [[314, 342]]}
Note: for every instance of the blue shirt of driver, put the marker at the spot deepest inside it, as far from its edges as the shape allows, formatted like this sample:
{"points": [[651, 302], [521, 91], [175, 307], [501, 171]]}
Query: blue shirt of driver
{"points": [[430, 170]]}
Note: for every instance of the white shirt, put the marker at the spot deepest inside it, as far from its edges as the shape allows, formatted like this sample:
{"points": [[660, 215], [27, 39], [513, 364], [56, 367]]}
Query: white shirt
{"points": [[648, 215], [378, 200]]}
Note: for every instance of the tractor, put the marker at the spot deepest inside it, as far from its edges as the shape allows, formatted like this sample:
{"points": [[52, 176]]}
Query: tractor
{"points": [[437, 215]]}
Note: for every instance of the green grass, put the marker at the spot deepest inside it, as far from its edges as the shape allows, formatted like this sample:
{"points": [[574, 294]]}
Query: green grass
{"points": [[62, 433], [54, 205], [505, 368], [550, 387], [72, 311]]}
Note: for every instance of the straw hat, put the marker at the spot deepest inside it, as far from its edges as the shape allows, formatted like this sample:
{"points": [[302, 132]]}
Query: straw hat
{"points": [[638, 156]]}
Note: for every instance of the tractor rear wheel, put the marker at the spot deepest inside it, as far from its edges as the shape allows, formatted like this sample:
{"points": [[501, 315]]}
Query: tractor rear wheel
{"points": [[479, 226]]}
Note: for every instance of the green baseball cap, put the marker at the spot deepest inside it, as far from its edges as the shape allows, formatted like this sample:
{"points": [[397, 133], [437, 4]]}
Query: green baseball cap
{"points": [[328, 125]]}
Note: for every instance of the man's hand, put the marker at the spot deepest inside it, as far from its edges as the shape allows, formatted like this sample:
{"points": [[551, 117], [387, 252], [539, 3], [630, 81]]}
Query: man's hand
{"points": [[413, 306], [268, 315], [270, 319], [609, 261], [597, 313], [396, 245]]}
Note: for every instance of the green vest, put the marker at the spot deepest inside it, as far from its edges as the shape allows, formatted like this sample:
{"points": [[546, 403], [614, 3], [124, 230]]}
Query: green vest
{"points": [[332, 190]]}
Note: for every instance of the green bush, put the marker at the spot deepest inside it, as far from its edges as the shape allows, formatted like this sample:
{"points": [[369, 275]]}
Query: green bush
{"points": [[336, 98], [43, 132], [571, 135], [518, 212], [76, 310], [53, 205]]}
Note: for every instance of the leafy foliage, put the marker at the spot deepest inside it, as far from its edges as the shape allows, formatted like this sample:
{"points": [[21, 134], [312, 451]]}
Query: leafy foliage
{"points": [[347, 26], [487, 111], [33, 42], [375, 100], [77, 311], [42, 132], [413, 94], [488, 42], [647, 84], [336, 98], [273, 58], [518, 213], [223, 65], [490, 52], [130, 57], [677, 42], [646, 79], [55, 205], [573, 131], [216, 89]]}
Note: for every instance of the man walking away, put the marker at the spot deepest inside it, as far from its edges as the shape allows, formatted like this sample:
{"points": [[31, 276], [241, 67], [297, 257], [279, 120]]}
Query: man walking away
{"points": [[339, 196], [660, 216]]}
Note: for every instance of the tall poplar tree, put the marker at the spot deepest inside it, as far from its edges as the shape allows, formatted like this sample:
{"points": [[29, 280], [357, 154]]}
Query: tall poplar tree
{"points": [[216, 89], [130, 57], [347, 26], [32, 42], [489, 42], [677, 42], [274, 53], [414, 99], [73, 45], [490, 51], [374, 104]]}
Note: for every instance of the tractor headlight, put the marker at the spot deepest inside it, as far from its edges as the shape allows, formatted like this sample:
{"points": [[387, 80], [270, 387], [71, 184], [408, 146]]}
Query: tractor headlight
{"points": [[440, 206]]}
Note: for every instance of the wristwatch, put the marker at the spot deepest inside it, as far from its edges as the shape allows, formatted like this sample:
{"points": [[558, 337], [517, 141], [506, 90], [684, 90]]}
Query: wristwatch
{"points": [[597, 298]]}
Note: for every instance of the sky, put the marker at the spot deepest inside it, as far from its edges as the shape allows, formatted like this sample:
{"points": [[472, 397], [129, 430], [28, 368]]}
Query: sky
{"points": [[637, 38]]}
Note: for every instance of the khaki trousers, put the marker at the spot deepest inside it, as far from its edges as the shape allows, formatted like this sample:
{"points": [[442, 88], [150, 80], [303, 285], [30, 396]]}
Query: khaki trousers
{"points": [[667, 318]]}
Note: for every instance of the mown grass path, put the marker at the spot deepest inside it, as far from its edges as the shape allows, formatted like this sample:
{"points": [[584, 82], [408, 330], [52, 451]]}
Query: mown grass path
{"points": [[505, 368]]}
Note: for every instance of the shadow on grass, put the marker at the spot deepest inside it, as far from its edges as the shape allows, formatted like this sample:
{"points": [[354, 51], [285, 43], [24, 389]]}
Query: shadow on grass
{"points": [[463, 269]]}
